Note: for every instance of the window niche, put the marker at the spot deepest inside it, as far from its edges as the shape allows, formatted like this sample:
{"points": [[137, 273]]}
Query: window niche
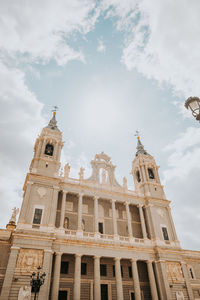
{"points": [[138, 176], [165, 234], [37, 216], [151, 173], [49, 150]]}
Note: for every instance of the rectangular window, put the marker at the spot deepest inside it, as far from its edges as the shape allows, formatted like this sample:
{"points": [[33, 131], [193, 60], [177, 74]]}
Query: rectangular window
{"points": [[37, 216], [83, 269], [165, 234], [64, 268], [130, 272], [113, 270], [122, 274], [103, 270], [101, 228]]}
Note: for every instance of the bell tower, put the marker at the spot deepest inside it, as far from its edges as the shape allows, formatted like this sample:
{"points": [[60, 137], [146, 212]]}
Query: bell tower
{"points": [[145, 174], [47, 150]]}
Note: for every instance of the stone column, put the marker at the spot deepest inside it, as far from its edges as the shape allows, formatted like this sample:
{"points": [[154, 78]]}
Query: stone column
{"points": [[136, 282], [80, 204], [130, 232], [118, 279], [144, 232], [152, 280], [47, 267], [77, 277], [37, 154], [97, 289], [56, 276], [187, 281], [9, 273], [114, 218], [54, 203], [62, 215], [43, 146], [96, 229], [25, 206], [55, 151], [172, 223]]}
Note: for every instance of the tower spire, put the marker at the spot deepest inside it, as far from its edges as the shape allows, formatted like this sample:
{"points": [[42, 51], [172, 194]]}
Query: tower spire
{"points": [[53, 122], [140, 147]]}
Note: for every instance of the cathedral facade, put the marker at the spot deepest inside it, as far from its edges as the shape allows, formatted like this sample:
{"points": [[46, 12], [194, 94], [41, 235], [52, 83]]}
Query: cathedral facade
{"points": [[94, 238]]}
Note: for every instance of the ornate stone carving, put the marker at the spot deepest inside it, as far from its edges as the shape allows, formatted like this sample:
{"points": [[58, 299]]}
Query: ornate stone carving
{"points": [[66, 170], [29, 259], [81, 173], [124, 183], [174, 272], [41, 192], [180, 295], [24, 293], [14, 215]]}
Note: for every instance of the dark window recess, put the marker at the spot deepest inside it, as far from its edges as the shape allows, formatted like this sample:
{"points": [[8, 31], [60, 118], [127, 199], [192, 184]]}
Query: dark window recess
{"points": [[103, 270], [132, 296], [37, 216], [151, 174], [165, 234], [191, 273], [113, 271], [104, 292], [138, 176], [64, 268], [122, 274], [130, 272], [62, 295], [49, 150], [101, 228], [83, 269]]}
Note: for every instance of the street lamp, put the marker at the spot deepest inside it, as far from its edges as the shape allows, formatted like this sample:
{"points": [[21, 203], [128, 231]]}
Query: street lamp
{"points": [[193, 103], [37, 280]]}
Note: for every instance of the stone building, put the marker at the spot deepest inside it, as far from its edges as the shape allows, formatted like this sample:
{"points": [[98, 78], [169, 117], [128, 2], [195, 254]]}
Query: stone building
{"points": [[94, 238]]}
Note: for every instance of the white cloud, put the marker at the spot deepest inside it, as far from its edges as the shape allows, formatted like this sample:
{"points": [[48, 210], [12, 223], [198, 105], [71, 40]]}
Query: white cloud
{"points": [[39, 29], [162, 40], [101, 46]]}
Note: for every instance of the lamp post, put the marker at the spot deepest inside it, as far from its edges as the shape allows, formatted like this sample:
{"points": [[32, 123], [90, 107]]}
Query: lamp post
{"points": [[37, 280], [193, 103]]}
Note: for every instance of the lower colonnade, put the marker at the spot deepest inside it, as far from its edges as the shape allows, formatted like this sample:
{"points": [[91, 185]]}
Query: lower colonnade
{"points": [[97, 278]]}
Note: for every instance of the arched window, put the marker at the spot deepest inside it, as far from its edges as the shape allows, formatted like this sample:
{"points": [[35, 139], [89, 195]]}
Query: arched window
{"points": [[151, 174], [49, 150], [138, 176]]}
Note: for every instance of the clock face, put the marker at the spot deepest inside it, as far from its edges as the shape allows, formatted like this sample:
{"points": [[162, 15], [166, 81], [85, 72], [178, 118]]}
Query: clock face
{"points": [[49, 150]]}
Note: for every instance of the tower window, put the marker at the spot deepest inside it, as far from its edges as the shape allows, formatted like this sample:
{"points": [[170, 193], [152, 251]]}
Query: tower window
{"points": [[165, 234], [103, 270], [138, 176], [49, 150], [191, 273], [151, 174], [83, 269], [37, 216]]}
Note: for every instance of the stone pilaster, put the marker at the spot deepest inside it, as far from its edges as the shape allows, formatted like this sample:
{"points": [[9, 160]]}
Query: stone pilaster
{"points": [[62, 216], [25, 204], [172, 223], [47, 267], [77, 277], [187, 281], [56, 276], [114, 218], [97, 289], [54, 203], [144, 232], [152, 281], [118, 279], [136, 282], [80, 204], [162, 280], [9, 273], [130, 232], [96, 229]]}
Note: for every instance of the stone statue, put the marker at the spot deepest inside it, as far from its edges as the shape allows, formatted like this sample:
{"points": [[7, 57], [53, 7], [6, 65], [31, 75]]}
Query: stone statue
{"points": [[179, 295], [81, 173], [14, 215], [66, 170], [24, 293], [125, 183]]}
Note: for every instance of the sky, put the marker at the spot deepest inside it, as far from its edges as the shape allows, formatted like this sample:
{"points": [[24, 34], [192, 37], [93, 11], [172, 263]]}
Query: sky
{"points": [[112, 67]]}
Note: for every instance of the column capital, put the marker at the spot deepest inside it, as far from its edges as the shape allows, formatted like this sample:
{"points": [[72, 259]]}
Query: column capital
{"points": [[65, 192], [134, 259], [48, 251], [58, 253], [140, 205], [80, 195], [95, 197], [96, 257], [127, 202], [77, 255], [149, 261], [117, 258]]}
